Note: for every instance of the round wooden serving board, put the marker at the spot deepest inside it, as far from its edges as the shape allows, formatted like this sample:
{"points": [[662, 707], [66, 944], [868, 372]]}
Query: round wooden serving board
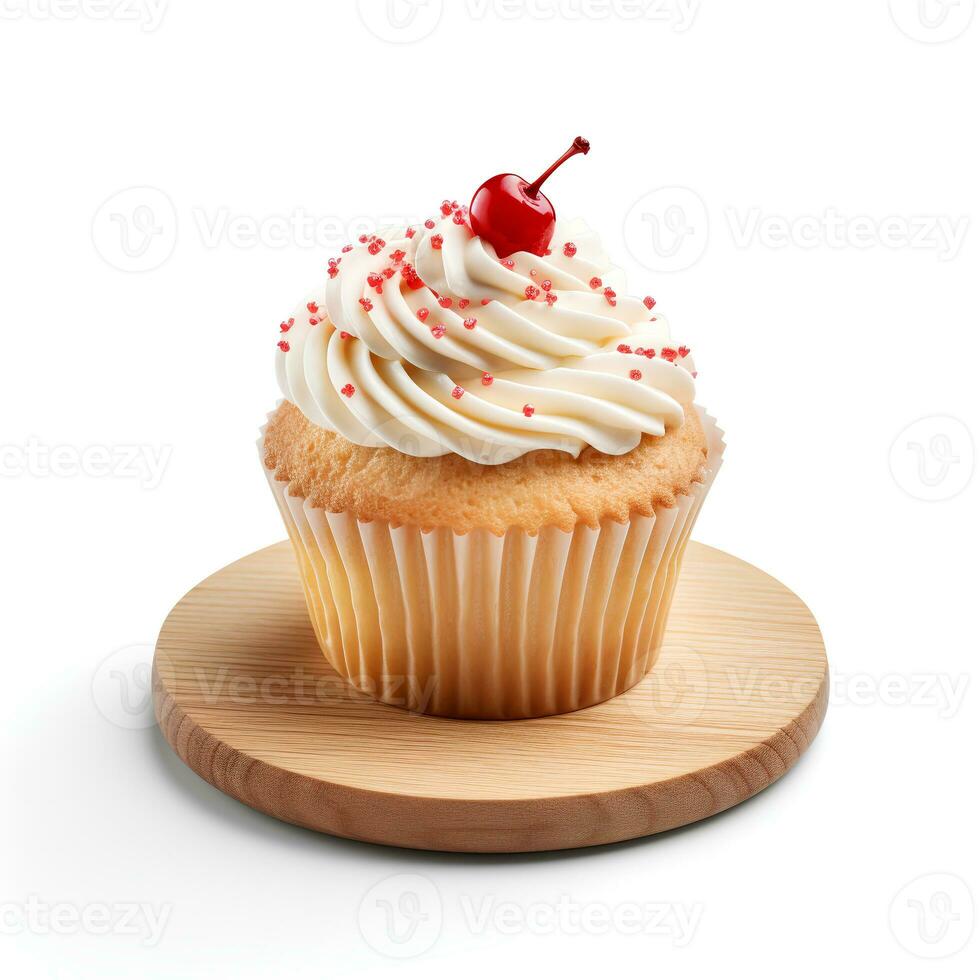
{"points": [[247, 700]]}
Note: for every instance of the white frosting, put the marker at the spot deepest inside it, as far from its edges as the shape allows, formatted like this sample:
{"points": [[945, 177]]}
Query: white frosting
{"points": [[559, 358]]}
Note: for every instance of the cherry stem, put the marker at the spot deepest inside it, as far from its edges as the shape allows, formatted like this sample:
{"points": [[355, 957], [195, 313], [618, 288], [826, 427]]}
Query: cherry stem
{"points": [[579, 145]]}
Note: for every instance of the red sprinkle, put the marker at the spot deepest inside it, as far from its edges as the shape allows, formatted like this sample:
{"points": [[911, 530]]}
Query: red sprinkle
{"points": [[635, 375], [569, 249], [375, 281], [376, 246], [362, 238], [344, 335], [595, 282], [312, 307], [625, 349], [332, 272], [484, 301], [429, 223], [409, 232], [445, 302], [446, 208], [367, 304], [286, 324], [438, 330], [463, 303], [412, 279], [457, 392], [348, 390], [423, 314], [347, 248], [314, 321], [551, 299], [459, 217], [532, 292], [528, 410], [546, 284], [283, 345], [650, 353], [683, 351], [668, 353], [649, 302], [469, 322], [487, 379], [639, 350], [436, 241]]}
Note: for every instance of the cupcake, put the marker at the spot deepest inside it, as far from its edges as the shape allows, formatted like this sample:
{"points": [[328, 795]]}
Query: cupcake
{"points": [[488, 460]]}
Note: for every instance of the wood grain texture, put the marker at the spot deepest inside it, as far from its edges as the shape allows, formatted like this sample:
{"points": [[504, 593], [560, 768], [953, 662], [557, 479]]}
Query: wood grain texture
{"points": [[246, 699]]}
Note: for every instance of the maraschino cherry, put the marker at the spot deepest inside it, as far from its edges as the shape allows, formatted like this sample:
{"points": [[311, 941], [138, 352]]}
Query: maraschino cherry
{"points": [[513, 215]]}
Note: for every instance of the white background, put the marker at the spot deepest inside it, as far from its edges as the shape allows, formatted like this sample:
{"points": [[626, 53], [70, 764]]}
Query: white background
{"points": [[851, 126]]}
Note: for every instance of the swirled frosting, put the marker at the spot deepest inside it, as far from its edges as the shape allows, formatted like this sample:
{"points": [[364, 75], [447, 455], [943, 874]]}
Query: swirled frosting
{"points": [[424, 340]]}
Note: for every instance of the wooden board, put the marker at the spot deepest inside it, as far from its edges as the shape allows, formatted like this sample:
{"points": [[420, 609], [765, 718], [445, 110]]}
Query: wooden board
{"points": [[246, 699]]}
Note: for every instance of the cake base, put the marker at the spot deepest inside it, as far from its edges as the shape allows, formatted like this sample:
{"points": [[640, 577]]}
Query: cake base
{"points": [[247, 700]]}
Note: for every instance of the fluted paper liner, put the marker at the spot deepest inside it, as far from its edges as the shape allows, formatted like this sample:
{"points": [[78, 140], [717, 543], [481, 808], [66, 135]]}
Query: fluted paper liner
{"points": [[483, 626]]}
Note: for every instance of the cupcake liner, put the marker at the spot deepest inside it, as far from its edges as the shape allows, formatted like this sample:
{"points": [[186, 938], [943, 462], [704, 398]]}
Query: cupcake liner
{"points": [[477, 625]]}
